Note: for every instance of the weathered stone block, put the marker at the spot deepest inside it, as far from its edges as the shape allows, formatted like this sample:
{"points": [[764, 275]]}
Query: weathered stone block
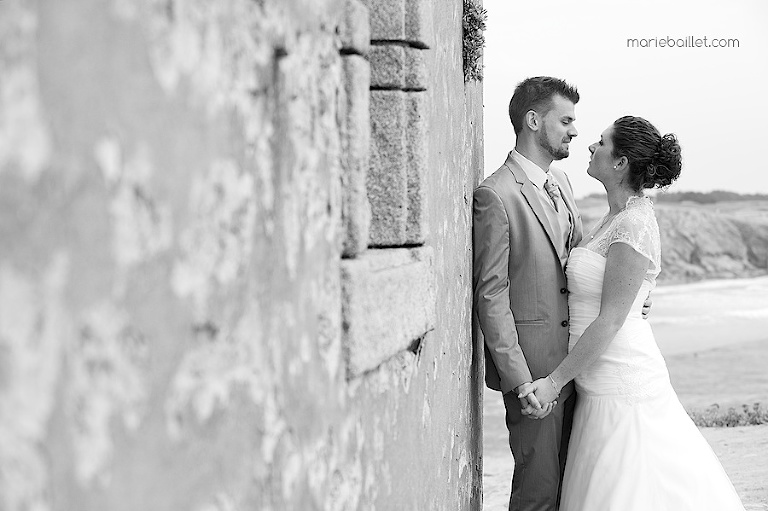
{"points": [[415, 69], [387, 66], [355, 28], [387, 180], [397, 67], [416, 143], [419, 30], [396, 178], [355, 145], [409, 21], [387, 19], [388, 301]]}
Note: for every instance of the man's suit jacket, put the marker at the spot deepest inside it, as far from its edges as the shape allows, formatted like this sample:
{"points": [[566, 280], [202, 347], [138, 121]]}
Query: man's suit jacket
{"points": [[520, 291]]}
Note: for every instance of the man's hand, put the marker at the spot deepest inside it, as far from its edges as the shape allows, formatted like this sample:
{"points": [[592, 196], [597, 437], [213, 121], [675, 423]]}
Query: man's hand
{"points": [[541, 390], [530, 405], [647, 306], [527, 406]]}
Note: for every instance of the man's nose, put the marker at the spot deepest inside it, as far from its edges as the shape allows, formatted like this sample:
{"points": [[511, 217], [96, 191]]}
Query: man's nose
{"points": [[573, 132]]}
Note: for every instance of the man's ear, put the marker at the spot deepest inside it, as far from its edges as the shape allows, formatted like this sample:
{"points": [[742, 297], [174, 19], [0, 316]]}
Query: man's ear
{"points": [[532, 120]]}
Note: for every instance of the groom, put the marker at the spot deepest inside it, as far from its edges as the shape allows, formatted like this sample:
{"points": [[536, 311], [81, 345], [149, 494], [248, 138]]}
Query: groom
{"points": [[525, 223]]}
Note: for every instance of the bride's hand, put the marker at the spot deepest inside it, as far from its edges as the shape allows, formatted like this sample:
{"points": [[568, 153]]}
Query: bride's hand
{"points": [[542, 389], [647, 306]]}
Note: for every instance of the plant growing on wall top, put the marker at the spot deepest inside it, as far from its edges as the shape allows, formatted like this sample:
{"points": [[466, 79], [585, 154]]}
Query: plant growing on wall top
{"points": [[473, 24]]}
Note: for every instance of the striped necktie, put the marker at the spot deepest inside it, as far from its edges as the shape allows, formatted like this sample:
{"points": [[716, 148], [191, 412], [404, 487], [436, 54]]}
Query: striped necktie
{"points": [[553, 190]]}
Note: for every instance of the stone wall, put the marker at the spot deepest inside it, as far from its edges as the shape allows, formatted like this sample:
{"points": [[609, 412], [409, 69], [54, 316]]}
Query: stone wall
{"points": [[235, 256]]}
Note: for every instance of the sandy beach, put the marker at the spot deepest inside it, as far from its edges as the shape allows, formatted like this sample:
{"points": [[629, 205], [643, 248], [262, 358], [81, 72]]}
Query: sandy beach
{"points": [[722, 362]]}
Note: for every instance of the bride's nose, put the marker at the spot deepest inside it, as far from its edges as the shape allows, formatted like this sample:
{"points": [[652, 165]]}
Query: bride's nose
{"points": [[592, 148]]}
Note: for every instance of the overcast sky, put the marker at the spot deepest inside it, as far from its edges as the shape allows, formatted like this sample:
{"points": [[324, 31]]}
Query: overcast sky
{"points": [[714, 99]]}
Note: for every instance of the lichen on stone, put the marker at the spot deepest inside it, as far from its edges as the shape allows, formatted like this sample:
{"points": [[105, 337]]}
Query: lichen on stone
{"points": [[33, 326], [25, 139], [214, 46], [214, 370], [219, 241], [108, 362], [141, 222]]}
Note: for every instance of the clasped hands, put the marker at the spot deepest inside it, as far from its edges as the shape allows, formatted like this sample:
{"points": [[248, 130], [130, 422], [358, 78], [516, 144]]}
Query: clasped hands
{"points": [[538, 398]]}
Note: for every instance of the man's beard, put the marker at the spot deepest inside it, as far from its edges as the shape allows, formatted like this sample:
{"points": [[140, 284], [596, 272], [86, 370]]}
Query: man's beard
{"points": [[555, 152]]}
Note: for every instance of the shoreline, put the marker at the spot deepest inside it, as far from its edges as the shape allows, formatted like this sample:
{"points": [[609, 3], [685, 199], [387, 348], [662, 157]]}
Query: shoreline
{"points": [[708, 283], [688, 318]]}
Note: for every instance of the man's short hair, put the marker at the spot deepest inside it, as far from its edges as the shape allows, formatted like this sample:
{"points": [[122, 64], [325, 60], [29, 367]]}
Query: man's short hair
{"points": [[536, 94]]}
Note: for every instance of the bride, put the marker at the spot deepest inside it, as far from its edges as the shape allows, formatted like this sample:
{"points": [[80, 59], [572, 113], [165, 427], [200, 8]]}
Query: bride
{"points": [[633, 446]]}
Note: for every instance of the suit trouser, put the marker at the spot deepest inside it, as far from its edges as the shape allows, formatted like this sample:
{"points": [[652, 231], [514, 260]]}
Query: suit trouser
{"points": [[539, 447]]}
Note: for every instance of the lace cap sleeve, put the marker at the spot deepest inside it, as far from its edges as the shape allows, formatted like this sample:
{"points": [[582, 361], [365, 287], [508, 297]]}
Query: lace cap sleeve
{"points": [[636, 226]]}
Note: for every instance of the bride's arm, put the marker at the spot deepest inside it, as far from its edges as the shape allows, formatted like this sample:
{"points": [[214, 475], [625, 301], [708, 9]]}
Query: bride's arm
{"points": [[625, 269]]}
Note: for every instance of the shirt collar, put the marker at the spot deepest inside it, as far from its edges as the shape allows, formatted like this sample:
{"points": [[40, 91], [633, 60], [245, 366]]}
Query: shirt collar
{"points": [[536, 174]]}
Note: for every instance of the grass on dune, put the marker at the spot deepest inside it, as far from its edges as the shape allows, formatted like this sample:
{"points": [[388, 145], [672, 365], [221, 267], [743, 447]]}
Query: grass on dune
{"points": [[732, 417]]}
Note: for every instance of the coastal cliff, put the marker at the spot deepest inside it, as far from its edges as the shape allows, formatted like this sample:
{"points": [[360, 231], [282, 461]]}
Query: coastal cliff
{"points": [[705, 241]]}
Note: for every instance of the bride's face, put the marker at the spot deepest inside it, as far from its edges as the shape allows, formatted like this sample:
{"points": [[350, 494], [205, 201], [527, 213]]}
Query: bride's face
{"points": [[602, 160]]}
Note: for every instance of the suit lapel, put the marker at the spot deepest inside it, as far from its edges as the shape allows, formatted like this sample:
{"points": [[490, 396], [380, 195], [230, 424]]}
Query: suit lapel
{"points": [[532, 196], [572, 217], [570, 203]]}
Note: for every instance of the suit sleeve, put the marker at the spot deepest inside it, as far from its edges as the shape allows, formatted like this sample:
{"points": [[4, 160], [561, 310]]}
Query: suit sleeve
{"points": [[491, 287]]}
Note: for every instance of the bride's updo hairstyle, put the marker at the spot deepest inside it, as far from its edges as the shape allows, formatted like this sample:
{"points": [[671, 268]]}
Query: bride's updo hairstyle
{"points": [[654, 160]]}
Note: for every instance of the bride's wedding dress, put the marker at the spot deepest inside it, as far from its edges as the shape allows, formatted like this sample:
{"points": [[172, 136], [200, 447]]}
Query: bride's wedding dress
{"points": [[633, 446]]}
